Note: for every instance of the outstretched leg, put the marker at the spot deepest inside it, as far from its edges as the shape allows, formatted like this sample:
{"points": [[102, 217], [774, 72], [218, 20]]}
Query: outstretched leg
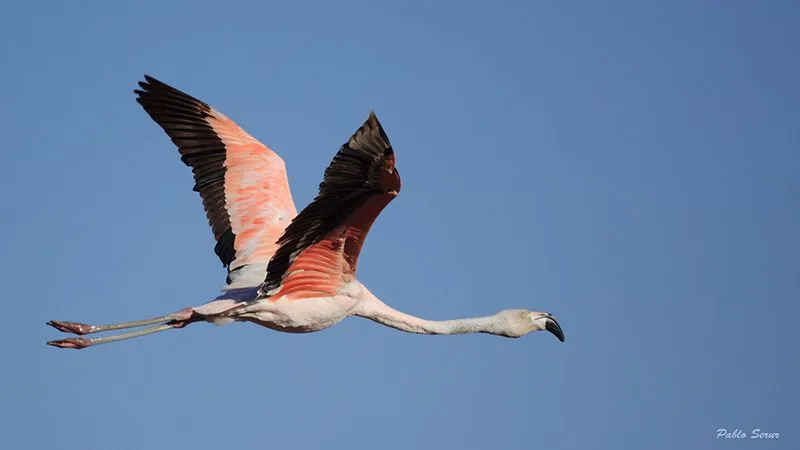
{"points": [[82, 328], [218, 311], [80, 342], [177, 320]]}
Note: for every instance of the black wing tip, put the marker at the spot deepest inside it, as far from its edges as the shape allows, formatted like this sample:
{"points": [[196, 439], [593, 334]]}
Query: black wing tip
{"points": [[372, 120], [154, 90], [146, 86], [147, 89], [151, 82], [371, 129]]}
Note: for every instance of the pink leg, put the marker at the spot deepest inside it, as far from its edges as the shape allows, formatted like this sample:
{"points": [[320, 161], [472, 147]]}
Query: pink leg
{"points": [[81, 342], [82, 328], [177, 320]]}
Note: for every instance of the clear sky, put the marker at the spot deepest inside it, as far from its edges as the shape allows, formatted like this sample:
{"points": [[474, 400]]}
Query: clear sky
{"points": [[631, 167]]}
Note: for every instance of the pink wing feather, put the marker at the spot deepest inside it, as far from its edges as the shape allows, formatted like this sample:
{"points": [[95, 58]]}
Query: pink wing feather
{"points": [[319, 250], [242, 182]]}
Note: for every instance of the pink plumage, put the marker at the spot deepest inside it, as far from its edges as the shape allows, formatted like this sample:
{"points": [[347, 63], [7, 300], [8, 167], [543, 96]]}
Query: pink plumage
{"points": [[287, 271]]}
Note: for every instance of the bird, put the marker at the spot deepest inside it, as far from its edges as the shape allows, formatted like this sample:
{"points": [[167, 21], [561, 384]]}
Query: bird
{"points": [[287, 271]]}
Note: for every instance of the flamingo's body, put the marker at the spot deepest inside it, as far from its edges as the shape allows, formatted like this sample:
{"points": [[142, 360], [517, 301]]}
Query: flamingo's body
{"points": [[287, 271]]}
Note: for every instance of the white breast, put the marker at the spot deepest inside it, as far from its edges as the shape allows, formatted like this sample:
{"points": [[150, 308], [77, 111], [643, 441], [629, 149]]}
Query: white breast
{"points": [[303, 315]]}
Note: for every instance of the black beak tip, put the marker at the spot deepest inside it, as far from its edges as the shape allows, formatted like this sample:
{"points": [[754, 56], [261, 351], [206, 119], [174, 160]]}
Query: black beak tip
{"points": [[553, 327]]}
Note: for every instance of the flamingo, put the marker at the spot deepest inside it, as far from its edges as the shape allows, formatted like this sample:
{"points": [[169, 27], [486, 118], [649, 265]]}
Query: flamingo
{"points": [[289, 272]]}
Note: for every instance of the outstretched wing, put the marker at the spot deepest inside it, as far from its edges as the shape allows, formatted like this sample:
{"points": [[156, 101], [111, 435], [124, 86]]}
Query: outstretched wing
{"points": [[242, 183], [319, 249]]}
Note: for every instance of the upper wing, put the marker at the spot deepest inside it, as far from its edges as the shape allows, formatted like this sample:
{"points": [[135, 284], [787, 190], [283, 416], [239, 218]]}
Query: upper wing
{"points": [[319, 249], [242, 183]]}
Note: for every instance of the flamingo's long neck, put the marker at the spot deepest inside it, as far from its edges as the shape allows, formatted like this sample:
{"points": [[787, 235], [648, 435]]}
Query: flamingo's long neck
{"points": [[374, 309]]}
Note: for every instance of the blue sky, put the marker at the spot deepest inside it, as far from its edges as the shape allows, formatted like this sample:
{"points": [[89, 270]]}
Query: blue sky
{"points": [[631, 167]]}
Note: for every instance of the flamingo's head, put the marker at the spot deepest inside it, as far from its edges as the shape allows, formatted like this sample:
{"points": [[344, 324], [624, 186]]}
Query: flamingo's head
{"points": [[519, 322]]}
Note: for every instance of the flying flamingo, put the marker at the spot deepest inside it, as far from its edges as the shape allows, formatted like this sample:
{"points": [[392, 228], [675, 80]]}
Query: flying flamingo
{"points": [[286, 271]]}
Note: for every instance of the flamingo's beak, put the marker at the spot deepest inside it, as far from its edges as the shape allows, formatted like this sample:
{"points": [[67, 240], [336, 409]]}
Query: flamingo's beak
{"points": [[552, 326]]}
